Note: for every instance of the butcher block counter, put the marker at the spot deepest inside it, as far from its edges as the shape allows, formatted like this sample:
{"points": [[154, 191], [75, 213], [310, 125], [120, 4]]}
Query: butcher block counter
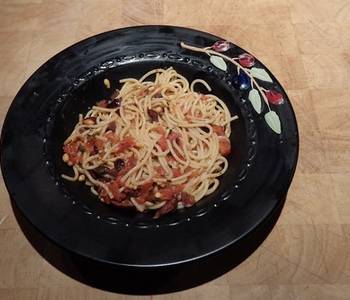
{"points": [[306, 45]]}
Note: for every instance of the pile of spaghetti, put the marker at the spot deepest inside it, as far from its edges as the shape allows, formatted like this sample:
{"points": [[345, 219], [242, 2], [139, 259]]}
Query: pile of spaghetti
{"points": [[154, 145]]}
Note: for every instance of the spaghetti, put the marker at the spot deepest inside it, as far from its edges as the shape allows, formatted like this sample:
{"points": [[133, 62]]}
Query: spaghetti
{"points": [[154, 145]]}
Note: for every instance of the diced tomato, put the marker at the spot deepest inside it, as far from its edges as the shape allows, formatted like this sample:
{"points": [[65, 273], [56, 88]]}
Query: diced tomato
{"points": [[100, 144], [143, 92], [169, 158], [89, 146], [145, 192], [173, 194], [130, 163], [93, 145], [160, 170], [188, 117], [174, 136], [195, 174], [168, 207], [102, 103], [124, 203], [204, 97], [187, 199], [176, 172], [162, 142], [114, 188], [125, 144], [224, 146], [147, 186], [111, 136], [103, 194], [219, 130], [72, 149], [166, 193], [160, 129], [170, 191]]}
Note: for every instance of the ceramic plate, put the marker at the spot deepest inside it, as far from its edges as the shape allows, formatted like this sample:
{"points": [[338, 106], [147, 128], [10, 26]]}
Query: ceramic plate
{"points": [[261, 166]]}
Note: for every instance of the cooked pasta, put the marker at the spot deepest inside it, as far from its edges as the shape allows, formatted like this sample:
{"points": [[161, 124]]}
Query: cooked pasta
{"points": [[156, 144]]}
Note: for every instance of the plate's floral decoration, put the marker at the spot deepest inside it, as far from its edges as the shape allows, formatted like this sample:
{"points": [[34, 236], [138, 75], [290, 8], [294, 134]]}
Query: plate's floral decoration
{"points": [[246, 79]]}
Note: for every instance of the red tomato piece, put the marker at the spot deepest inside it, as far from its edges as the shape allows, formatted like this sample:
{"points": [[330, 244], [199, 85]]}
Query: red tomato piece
{"points": [[224, 146], [99, 144], [114, 188], [103, 194], [170, 191], [125, 144], [89, 146], [219, 130], [130, 163], [187, 199], [170, 158], [166, 208], [146, 192], [111, 136], [174, 136], [160, 129], [72, 149], [125, 203], [176, 172], [160, 170], [162, 142]]}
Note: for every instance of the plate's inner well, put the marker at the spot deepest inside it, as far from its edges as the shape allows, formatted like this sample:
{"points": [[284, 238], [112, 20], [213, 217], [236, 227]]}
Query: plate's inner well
{"points": [[92, 90]]}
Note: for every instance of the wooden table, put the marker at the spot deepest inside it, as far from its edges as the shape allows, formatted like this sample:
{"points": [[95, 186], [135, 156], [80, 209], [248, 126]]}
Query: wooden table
{"points": [[306, 44]]}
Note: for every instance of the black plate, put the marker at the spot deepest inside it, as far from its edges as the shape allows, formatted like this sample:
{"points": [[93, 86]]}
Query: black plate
{"points": [[251, 193]]}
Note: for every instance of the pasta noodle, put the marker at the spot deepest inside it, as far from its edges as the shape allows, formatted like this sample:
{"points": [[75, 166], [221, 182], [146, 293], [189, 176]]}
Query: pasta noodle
{"points": [[154, 145]]}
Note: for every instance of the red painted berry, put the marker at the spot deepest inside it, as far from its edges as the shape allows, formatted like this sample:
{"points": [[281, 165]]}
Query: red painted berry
{"points": [[274, 97], [246, 60], [221, 46]]}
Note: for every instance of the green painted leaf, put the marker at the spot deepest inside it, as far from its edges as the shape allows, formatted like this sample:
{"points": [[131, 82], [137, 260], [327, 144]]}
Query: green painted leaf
{"points": [[260, 74], [218, 62], [273, 120], [255, 100]]}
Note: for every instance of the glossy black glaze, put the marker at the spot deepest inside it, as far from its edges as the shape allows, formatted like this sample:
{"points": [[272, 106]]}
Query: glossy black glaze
{"points": [[44, 112], [141, 281]]}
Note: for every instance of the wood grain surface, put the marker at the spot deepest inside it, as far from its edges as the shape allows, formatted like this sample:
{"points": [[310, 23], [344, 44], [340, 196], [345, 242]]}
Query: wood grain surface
{"points": [[306, 44]]}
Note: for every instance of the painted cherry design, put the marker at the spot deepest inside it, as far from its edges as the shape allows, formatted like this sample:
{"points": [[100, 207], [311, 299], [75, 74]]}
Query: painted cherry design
{"points": [[221, 46], [274, 97], [246, 60], [248, 79]]}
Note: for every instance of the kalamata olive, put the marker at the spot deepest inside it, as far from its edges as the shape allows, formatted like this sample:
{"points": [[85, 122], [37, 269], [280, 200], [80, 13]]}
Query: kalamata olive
{"points": [[119, 164], [113, 103], [153, 115], [100, 171]]}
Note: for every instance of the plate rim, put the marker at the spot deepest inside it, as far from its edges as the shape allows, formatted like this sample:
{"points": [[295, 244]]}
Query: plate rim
{"points": [[217, 250]]}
